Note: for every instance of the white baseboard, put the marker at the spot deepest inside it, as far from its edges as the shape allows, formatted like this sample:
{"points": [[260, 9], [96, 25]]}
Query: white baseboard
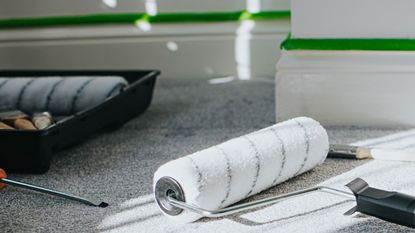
{"points": [[363, 88], [178, 50]]}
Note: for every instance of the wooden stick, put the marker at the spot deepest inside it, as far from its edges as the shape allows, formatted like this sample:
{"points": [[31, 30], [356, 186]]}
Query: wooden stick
{"points": [[5, 126], [24, 124]]}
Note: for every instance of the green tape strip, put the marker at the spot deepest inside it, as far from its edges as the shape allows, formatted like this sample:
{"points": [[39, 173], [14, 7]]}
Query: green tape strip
{"points": [[349, 44], [218, 17], [194, 17], [70, 20], [130, 18], [269, 15]]}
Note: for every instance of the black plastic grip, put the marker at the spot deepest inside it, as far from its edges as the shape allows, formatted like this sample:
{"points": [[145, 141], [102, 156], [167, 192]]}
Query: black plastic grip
{"points": [[390, 206]]}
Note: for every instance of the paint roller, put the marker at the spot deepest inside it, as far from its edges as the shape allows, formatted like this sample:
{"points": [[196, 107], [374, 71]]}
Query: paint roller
{"points": [[208, 182], [227, 173], [58, 95]]}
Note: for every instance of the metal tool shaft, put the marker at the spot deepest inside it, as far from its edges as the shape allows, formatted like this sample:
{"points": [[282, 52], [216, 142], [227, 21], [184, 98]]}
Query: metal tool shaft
{"points": [[53, 192], [255, 204]]}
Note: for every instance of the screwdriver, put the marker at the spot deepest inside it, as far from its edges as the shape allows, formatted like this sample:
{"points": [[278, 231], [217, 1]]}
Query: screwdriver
{"points": [[4, 180]]}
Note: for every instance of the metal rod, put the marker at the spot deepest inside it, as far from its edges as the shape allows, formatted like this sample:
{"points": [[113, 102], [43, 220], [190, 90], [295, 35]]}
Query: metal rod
{"points": [[91, 202], [337, 192], [254, 204]]}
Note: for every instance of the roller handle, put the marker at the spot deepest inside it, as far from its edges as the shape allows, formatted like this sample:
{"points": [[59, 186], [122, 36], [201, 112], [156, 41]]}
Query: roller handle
{"points": [[4, 180], [393, 207], [3, 175]]}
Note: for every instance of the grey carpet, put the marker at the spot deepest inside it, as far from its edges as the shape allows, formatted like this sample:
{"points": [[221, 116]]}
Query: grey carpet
{"points": [[185, 116]]}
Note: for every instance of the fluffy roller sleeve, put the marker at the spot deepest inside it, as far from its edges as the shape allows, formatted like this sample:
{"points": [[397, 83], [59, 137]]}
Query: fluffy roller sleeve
{"points": [[58, 95], [229, 172]]}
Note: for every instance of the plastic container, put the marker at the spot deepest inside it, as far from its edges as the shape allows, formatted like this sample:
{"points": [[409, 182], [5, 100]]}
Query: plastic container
{"points": [[31, 151]]}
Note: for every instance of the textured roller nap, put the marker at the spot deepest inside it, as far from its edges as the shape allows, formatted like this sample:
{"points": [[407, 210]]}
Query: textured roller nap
{"points": [[60, 96], [227, 173]]}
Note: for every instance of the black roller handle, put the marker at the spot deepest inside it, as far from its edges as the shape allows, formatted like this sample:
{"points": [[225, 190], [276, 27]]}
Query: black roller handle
{"points": [[390, 206]]}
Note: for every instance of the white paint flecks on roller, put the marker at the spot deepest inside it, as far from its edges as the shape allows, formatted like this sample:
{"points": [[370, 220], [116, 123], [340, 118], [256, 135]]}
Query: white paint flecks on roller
{"points": [[229, 172], [58, 95]]}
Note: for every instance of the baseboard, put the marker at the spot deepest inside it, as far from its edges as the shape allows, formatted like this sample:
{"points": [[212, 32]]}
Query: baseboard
{"points": [[363, 88], [245, 49]]}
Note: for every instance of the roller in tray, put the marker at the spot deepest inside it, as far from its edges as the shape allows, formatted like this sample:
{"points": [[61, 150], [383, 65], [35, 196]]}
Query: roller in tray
{"points": [[29, 141]]}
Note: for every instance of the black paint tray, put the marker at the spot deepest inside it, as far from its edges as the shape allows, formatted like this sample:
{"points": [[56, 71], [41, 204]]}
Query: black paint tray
{"points": [[27, 151]]}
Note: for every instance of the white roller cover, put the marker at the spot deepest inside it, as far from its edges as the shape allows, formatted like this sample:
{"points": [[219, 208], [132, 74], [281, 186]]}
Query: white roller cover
{"points": [[229, 172], [58, 95]]}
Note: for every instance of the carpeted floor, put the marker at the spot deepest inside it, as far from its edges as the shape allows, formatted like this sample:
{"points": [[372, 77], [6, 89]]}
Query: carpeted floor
{"points": [[117, 167]]}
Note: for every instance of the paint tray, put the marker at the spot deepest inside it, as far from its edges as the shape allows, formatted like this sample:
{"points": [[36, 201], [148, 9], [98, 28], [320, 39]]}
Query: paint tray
{"points": [[27, 151]]}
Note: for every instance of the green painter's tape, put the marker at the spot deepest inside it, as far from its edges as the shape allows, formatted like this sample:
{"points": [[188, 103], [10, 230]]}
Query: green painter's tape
{"points": [[349, 44], [194, 17], [70, 20], [265, 15], [218, 17], [130, 18]]}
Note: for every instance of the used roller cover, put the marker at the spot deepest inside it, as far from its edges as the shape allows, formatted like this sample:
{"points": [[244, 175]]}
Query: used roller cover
{"points": [[57, 95], [234, 170]]}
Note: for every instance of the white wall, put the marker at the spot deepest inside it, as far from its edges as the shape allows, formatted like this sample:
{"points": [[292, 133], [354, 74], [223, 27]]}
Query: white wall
{"points": [[353, 18], [35, 8]]}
